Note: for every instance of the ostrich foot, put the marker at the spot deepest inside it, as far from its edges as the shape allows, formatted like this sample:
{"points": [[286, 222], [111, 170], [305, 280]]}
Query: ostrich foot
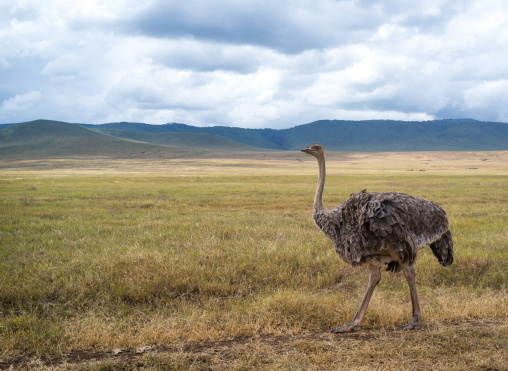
{"points": [[347, 328], [374, 277], [414, 324]]}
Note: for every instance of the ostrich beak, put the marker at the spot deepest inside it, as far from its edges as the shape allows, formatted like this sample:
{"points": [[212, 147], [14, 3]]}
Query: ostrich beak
{"points": [[306, 150]]}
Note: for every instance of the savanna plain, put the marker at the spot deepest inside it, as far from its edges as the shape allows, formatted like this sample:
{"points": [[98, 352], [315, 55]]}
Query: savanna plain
{"points": [[215, 263]]}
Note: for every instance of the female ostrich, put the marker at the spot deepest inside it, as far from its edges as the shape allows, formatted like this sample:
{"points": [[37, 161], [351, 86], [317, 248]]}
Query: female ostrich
{"points": [[382, 229]]}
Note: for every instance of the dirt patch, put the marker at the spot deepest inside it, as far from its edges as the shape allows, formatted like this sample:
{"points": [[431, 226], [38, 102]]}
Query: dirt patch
{"points": [[226, 351]]}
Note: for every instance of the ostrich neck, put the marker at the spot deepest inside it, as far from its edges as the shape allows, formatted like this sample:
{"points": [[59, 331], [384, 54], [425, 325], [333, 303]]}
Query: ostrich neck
{"points": [[318, 198]]}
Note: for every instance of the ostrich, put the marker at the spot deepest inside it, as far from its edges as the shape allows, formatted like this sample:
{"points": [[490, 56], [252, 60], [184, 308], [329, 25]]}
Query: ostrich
{"points": [[382, 230]]}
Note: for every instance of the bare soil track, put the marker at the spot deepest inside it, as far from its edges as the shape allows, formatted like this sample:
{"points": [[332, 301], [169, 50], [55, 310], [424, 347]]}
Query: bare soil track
{"points": [[226, 351]]}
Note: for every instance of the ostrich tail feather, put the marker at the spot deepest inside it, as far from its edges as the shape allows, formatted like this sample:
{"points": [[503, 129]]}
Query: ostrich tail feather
{"points": [[443, 249]]}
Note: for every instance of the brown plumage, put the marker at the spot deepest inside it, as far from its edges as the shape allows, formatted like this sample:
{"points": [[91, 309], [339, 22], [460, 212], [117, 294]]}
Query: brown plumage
{"points": [[384, 229]]}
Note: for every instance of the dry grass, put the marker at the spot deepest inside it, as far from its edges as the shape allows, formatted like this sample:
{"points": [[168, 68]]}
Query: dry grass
{"points": [[216, 264], [276, 163], [476, 345]]}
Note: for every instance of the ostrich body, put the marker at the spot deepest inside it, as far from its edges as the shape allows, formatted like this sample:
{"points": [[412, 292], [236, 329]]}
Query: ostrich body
{"points": [[383, 229]]}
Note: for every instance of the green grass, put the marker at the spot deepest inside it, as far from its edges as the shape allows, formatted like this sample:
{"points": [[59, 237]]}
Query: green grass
{"points": [[120, 260]]}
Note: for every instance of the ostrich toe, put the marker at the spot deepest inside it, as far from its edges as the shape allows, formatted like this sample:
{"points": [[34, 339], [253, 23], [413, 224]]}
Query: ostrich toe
{"points": [[414, 324]]}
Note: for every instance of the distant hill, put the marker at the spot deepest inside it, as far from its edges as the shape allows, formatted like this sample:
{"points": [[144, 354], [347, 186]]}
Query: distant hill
{"points": [[192, 140], [260, 138], [44, 130], [3, 126], [386, 136], [45, 138], [362, 136]]}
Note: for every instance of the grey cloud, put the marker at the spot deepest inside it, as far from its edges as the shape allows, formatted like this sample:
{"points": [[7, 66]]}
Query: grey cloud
{"points": [[203, 57], [19, 12], [19, 73], [290, 27]]}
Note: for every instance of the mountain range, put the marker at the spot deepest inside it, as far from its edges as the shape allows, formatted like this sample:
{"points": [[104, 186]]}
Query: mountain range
{"points": [[45, 138]]}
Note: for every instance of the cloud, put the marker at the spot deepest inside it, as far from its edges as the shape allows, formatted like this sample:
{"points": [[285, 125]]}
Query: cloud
{"points": [[197, 56], [483, 97], [252, 63], [22, 101], [487, 94], [288, 27]]}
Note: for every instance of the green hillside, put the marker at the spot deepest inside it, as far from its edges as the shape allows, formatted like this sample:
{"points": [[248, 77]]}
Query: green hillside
{"points": [[259, 138], [43, 130], [362, 136], [3, 126], [385, 135], [192, 140], [45, 139]]}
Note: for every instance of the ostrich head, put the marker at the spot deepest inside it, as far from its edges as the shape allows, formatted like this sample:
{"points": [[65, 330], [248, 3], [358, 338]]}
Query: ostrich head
{"points": [[315, 150]]}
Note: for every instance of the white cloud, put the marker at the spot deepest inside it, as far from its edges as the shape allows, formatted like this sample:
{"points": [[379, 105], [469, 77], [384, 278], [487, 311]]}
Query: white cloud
{"points": [[487, 94], [22, 102], [252, 63]]}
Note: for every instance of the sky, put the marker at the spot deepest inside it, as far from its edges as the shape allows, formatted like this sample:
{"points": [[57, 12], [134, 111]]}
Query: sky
{"points": [[252, 63]]}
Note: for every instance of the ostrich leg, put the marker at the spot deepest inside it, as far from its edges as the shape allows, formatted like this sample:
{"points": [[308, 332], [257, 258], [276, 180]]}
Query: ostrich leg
{"points": [[410, 275], [374, 278]]}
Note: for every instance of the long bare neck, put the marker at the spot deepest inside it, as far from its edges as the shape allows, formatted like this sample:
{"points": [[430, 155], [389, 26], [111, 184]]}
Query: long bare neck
{"points": [[318, 198]]}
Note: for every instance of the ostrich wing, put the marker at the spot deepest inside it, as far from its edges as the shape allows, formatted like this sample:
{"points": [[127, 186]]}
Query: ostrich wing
{"points": [[368, 224]]}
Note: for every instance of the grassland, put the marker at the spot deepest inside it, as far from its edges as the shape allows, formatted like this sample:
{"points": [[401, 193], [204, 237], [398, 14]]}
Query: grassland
{"points": [[216, 264]]}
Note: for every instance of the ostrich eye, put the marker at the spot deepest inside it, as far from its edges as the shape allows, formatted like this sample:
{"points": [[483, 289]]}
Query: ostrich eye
{"points": [[315, 147]]}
